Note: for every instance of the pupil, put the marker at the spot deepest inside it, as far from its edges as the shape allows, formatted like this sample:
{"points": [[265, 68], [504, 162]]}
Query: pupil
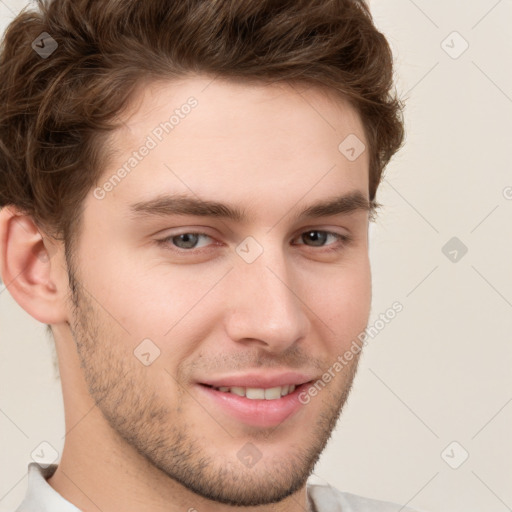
{"points": [[189, 239], [317, 236]]}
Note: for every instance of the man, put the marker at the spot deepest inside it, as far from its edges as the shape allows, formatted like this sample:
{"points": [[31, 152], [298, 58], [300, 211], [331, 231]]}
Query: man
{"points": [[186, 191]]}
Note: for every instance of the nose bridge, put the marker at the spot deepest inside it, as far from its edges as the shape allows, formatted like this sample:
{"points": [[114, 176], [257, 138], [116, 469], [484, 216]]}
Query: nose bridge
{"points": [[267, 306]]}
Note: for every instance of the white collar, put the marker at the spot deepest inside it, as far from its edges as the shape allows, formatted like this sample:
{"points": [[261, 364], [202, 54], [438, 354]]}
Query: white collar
{"points": [[41, 496]]}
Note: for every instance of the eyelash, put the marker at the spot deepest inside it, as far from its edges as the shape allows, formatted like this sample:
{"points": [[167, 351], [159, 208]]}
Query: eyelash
{"points": [[343, 240]]}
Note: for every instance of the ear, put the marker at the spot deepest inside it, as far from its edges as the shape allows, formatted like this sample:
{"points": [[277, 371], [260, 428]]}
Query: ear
{"points": [[32, 268]]}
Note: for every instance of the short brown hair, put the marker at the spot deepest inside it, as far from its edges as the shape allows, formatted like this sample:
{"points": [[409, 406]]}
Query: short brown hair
{"points": [[56, 112]]}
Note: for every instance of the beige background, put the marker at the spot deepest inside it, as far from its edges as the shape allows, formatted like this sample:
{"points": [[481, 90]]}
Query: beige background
{"points": [[440, 371]]}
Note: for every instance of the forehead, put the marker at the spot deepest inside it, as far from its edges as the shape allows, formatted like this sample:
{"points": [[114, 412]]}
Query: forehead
{"points": [[226, 103], [235, 140], [280, 112]]}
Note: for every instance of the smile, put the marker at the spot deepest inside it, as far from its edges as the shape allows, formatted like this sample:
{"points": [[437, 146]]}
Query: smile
{"points": [[258, 393]]}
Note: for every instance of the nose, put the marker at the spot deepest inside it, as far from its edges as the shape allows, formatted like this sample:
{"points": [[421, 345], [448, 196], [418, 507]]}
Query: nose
{"points": [[266, 304]]}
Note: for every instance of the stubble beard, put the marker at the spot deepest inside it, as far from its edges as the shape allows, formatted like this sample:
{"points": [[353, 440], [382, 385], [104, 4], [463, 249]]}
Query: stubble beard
{"points": [[122, 391]]}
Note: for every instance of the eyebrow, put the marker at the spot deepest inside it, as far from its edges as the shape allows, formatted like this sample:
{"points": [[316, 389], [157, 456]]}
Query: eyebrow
{"points": [[179, 204]]}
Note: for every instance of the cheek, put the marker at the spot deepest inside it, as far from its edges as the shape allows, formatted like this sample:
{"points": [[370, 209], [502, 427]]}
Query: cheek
{"points": [[160, 303], [343, 301]]}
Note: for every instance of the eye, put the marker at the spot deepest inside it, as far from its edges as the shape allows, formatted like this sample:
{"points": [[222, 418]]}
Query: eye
{"points": [[319, 237], [189, 241], [184, 240]]}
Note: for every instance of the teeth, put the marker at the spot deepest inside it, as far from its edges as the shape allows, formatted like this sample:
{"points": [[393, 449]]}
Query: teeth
{"points": [[255, 393], [273, 393], [238, 391], [259, 393]]}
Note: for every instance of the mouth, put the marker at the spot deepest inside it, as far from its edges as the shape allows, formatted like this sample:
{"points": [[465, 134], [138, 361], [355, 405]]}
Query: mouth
{"points": [[274, 393], [261, 407]]}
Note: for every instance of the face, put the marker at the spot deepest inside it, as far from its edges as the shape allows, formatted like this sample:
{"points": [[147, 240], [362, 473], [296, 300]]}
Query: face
{"points": [[233, 286]]}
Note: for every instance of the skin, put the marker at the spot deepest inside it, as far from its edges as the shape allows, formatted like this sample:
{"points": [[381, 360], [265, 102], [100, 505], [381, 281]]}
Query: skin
{"points": [[142, 437]]}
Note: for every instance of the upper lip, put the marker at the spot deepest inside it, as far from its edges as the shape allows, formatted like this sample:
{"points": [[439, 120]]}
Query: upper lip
{"points": [[258, 380]]}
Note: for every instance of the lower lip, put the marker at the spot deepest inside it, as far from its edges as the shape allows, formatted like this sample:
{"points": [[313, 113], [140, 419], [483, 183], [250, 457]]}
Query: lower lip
{"points": [[260, 413]]}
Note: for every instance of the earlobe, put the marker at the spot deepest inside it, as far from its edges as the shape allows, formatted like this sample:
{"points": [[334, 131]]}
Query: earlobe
{"points": [[30, 267]]}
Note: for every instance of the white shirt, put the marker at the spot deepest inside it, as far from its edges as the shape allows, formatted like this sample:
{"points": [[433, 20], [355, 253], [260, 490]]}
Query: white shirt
{"points": [[42, 497]]}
